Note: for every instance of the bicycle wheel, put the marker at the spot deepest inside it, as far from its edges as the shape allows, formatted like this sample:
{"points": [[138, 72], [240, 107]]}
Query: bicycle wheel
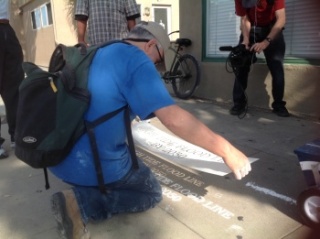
{"points": [[186, 74]]}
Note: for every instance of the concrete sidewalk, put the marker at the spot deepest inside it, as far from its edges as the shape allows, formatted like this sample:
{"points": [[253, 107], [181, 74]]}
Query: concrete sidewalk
{"points": [[195, 204]]}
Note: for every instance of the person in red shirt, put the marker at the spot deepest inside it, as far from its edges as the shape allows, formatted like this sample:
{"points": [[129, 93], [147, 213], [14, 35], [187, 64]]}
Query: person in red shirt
{"points": [[262, 23]]}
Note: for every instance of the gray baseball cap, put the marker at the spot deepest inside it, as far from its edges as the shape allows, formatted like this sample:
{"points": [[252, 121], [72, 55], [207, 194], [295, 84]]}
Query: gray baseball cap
{"points": [[162, 37]]}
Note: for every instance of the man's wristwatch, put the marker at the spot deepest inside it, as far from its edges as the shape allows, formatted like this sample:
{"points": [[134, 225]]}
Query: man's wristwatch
{"points": [[268, 39]]}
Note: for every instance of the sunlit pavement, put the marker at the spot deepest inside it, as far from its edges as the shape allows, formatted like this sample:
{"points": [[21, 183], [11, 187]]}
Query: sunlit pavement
{"points": [[195, 204]]}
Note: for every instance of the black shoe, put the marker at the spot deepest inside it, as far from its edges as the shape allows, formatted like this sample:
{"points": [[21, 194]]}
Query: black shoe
{"points": [[13, 143], [281, 111], [237, 110]]}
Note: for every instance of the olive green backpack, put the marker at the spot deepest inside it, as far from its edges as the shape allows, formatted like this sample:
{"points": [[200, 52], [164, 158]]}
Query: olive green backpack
{"points": [[51, 108]]}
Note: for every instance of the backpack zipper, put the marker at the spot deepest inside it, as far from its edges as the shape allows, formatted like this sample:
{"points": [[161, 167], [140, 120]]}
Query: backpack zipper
{"points": [[53, 86]]}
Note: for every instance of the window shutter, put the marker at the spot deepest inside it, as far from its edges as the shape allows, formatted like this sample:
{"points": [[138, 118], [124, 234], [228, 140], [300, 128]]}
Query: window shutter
{"points": [[223, 26], [302, 30]]}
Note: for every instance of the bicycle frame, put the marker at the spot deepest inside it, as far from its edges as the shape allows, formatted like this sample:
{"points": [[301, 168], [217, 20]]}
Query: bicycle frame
{"points": [[169, 74], [184, 72]]}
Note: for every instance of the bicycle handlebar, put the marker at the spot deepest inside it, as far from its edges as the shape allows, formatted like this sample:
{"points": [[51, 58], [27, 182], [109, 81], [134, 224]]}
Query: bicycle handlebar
{"points": [[173, 32]]}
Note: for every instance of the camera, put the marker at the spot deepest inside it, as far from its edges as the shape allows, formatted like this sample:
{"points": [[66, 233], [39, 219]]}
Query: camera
{"points": [[239, 56]]}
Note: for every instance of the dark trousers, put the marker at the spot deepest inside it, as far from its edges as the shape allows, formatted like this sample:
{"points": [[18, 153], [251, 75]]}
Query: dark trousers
{"points": [[11, 74], [274, 55]]}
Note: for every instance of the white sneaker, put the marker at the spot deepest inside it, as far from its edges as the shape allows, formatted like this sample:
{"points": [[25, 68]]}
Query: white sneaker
{"points": [[3, 153], [13, 144]]}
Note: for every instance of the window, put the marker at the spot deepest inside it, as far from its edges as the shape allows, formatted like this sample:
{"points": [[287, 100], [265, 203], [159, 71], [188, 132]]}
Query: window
{"points": [[301, 31], [41, 16], [223, 26], [36, 19], [162, 15]]}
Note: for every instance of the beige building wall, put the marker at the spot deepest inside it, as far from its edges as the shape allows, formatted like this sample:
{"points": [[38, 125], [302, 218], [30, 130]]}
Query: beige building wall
{"points": [[39, 44], [63, 22], [302, 80]]}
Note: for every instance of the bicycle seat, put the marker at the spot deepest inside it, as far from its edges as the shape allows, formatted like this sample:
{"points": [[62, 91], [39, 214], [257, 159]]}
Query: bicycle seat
{"points": [[183, 42]]}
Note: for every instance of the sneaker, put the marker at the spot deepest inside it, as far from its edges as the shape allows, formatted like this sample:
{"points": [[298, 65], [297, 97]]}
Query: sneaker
{"points": [[67, 214], [13, 144], [3, 153], [281, 111], [237, 110]]}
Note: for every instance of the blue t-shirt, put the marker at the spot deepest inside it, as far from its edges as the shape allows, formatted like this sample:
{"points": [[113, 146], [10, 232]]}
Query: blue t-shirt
{"points": [[120, 74]]}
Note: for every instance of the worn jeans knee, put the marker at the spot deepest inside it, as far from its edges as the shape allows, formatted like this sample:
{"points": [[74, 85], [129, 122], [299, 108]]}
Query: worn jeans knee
{"points": [[138, 191]]}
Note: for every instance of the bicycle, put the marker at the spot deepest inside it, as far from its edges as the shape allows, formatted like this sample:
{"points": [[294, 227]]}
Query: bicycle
{"points": [[184, 73]]}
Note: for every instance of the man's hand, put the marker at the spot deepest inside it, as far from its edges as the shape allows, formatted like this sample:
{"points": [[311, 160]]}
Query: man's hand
{"points": [[187, 127], [277, 27], [260, 46], [238, 163]]}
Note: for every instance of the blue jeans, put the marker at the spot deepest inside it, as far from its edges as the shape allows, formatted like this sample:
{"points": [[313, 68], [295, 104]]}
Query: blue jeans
{"points": [[274, 55], [138, 191]]}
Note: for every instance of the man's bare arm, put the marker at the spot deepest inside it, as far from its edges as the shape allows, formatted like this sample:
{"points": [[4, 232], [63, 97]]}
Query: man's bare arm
{"points": [[81, 30], [131, 23], [277, 27], [245, 26], [186, 126], [280, 22]]}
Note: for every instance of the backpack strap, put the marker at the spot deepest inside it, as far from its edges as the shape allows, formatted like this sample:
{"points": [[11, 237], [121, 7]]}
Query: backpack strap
{"points": [[57, 61], [47, 186], [130, 139], [94, 148], [128, 130], [90, 130], [112, 42]]}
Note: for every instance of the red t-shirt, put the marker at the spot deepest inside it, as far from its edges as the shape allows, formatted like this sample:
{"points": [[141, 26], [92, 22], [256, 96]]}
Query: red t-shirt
{"points": [[261, 15]]}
